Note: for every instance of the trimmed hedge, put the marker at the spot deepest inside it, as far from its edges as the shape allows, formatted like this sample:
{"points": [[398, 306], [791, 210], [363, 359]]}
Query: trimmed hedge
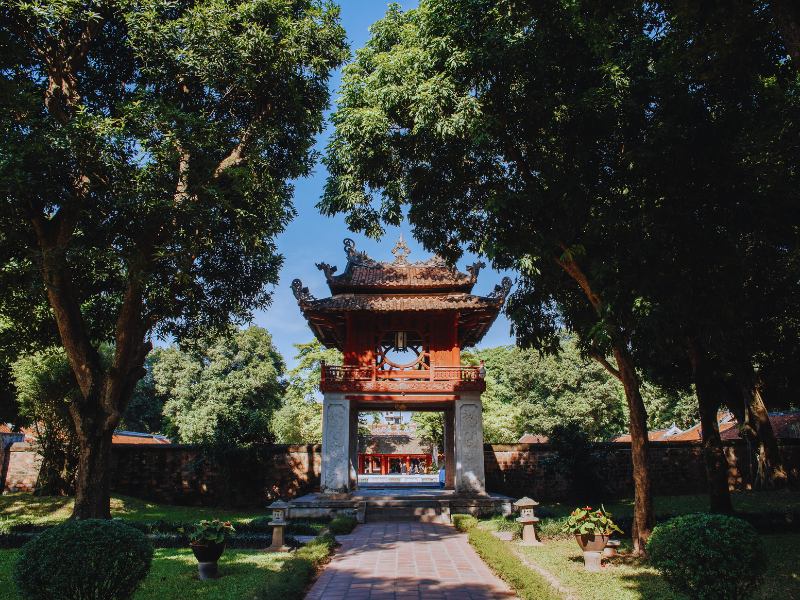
{"points": [[464, 522], [299, 569], [342, 525], [709, 556], [92, 559], [527, 583]]}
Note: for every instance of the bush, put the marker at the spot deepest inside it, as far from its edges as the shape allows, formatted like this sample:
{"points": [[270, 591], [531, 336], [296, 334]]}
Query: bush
{"points": [[709, 557], [342, 525], [88, 560], [528, 584], [464, 522], [299, 569]]}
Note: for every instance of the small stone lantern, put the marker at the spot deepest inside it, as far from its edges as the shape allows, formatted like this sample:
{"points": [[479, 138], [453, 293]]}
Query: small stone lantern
{"points": [[279, 511], [528, 520]]}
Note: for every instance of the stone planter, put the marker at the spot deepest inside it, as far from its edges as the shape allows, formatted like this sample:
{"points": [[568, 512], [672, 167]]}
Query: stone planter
{"points": [[207, 556], [592, 542]]}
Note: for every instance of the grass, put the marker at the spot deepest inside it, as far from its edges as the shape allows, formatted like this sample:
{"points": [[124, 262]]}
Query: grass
{"points": [[527, 584], [245, 574], [622, 580], [627, 578], [50, 510]]}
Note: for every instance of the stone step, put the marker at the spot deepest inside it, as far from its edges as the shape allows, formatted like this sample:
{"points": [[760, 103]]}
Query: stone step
{"points": [[426, 511]]}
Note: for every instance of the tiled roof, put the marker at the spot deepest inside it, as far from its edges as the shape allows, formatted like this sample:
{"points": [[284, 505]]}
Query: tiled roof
{"points": [[785, 426], [365, 274], [133, 437], [394, 302], [533, 438], [387, 276]]}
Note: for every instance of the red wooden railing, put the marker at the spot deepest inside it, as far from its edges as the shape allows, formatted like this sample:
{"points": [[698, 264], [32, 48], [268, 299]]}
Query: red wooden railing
{"points": [[372, 373]]}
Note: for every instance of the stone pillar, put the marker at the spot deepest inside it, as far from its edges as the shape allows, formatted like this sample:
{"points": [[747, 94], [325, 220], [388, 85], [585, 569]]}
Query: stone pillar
{"points": [[449, 449], [353, 445], [470, 478], [335, 474]]}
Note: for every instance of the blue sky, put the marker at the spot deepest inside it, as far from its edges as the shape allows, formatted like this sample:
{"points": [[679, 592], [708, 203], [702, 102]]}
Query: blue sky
{"points": [[312, 238]]}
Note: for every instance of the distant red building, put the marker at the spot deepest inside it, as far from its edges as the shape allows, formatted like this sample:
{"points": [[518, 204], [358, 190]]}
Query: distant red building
{"points": [[393, 448]]}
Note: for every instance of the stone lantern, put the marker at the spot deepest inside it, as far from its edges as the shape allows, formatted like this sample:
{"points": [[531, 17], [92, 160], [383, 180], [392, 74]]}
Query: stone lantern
{"points": [[279, 511], [528, 520]]}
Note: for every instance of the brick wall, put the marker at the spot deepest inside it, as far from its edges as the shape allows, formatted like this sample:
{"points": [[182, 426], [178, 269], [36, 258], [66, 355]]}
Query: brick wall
{"points": [[22, 464], [675, 468], [182, 475]]}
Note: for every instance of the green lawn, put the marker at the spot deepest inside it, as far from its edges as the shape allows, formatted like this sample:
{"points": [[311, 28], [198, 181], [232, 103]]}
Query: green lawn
{"points": [[625, 578], [22, 507], [173, 576], [746, 502]]}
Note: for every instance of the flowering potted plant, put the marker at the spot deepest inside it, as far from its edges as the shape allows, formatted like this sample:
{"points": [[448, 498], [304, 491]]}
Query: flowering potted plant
{"points": [[207, 541], [591, 528]]}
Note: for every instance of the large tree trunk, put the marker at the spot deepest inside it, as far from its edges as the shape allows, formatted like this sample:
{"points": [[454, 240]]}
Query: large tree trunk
{"points": [[768, 452], [92, 481], [643, 518], [626, 372], [709, 401]]}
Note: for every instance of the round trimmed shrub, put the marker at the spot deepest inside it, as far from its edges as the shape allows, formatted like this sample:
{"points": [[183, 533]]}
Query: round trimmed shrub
{"points": [[91, 559], [709, 557]]}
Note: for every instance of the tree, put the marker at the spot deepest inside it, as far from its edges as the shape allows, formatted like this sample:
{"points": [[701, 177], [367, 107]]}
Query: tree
{"points": [[299, 419], [220, 391], [146, 153], [635, 163], [501, 126], [45, 386]]}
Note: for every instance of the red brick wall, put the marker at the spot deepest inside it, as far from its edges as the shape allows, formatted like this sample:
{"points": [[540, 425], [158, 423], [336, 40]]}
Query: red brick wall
{"points": [[21, 467], [676, 468], [178, 474]]}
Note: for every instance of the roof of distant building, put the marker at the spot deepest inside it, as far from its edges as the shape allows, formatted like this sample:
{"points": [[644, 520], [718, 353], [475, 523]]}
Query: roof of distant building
{"points": [[134, 437], [786, 425], [534, 438]]}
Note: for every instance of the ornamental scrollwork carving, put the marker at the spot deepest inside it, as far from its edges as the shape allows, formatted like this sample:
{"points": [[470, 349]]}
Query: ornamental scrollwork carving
{"points": [[355, 257], [475, 268], [501, 291], [327, 269], [300, 292]]}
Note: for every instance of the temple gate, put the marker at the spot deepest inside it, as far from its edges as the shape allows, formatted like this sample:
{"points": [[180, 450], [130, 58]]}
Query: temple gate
{"points": [[401, 327]]}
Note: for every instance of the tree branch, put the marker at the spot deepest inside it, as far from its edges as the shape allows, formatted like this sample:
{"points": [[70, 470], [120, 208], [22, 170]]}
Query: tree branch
{"points": [[604, 361]]}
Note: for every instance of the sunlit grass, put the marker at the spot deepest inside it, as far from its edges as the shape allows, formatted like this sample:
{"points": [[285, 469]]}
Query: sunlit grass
{"points": [[244, 574], [43, 510]]}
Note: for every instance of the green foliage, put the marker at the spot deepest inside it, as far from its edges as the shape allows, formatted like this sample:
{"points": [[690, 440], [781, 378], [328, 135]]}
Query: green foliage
{"points": [[464, 522], [709, 556], [527, 583], [589, 521], [83, 560], [222, 390], [342, 525], [45, 386], [214, 531], [299, 418], [527, 392]]}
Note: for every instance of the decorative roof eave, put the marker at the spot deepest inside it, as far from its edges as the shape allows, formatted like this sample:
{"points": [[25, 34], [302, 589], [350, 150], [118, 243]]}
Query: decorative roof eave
{"points": [[326, 316], [366, 274]]}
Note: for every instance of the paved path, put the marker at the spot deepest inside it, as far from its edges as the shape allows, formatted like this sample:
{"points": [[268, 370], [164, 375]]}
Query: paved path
{"points": [[405, 561]]}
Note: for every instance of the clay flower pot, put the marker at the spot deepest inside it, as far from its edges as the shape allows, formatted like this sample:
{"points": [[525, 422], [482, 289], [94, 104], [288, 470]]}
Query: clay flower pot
{"points": [[207, 555], [590, 542]]}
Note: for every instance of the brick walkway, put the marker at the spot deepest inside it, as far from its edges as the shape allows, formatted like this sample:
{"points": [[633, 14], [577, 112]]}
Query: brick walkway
{"points": [[400, 561]]}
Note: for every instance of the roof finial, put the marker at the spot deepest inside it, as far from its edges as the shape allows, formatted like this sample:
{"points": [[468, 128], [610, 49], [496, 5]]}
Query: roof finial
{"points": [[401, 252]]}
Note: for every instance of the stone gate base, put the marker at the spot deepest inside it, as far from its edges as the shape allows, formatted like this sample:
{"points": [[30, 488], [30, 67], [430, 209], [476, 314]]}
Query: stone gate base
{"points": [[369, 505]]}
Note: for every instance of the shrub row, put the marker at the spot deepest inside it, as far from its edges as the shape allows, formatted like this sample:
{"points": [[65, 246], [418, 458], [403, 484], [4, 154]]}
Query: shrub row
{"points": [[464, 522], [299, 569], [342, 525], [527, 583]]}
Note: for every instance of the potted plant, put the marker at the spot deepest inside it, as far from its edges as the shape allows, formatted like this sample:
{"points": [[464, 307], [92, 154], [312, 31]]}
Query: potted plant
{"points": [[207, 541], [591, 528]]}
